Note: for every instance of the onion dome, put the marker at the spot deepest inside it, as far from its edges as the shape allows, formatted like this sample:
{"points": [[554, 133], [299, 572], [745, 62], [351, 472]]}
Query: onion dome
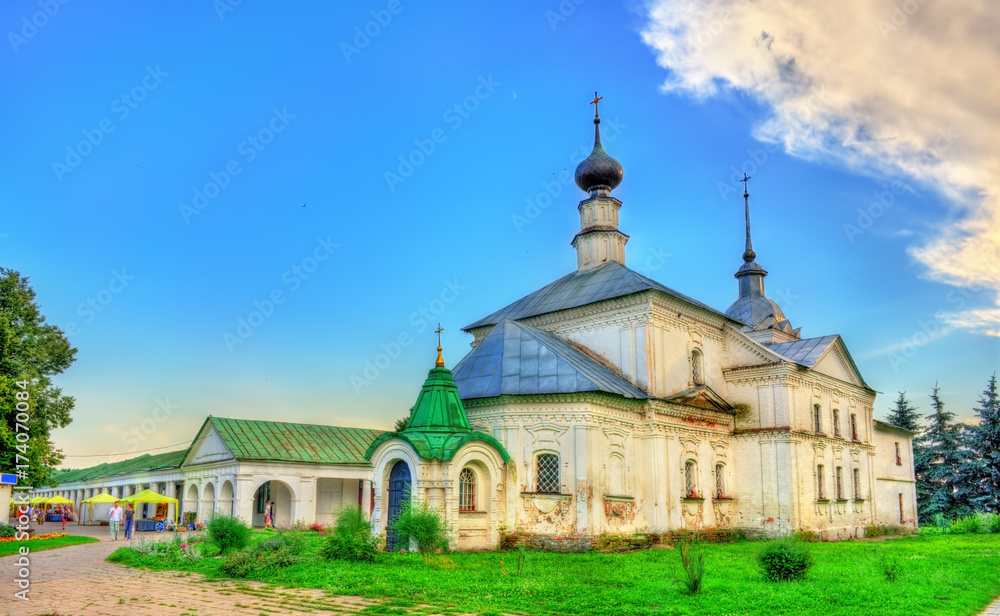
{"points": [[598, 170]]}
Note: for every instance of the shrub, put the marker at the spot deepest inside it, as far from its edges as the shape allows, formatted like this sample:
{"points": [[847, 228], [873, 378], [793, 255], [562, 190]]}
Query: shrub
{"points": [[274, 554], [420, 523], [992, 522], [968, 524], [940, 521], [784, 560], [351, 538], [6, 530], [890, 567], [228, 532], [693, 564]]}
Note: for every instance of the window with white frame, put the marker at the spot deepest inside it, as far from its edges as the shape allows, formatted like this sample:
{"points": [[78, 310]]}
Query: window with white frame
{"points": [[467, 490], [817, 418], [697, 367]]}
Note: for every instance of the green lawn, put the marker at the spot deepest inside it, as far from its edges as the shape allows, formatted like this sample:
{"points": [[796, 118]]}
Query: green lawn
{"points": [[945, 574], [11, 547]]}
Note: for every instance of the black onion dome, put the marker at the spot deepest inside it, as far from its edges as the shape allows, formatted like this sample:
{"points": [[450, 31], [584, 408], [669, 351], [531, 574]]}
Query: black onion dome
{"points": [[598, 169]]}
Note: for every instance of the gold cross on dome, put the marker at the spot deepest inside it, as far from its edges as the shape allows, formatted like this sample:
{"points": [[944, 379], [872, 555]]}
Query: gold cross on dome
{"points": [[745, 179], [438, 332], [440, 360], [596, 100]]}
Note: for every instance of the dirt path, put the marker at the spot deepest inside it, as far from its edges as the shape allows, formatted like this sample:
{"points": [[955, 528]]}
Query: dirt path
{"points": [[77, 581]]}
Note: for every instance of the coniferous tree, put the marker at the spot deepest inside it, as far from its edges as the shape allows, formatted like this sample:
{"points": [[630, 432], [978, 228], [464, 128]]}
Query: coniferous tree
{"points": [[903, 415], [982, 470], [939, 461]]}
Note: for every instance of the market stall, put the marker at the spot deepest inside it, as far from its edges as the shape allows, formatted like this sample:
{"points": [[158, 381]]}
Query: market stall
{"points": [[95, 500], [58, 504], [160, 520]]}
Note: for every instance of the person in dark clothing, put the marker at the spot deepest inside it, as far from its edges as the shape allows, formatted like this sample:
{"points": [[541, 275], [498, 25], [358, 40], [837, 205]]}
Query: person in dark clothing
{"points": [[129, 521]]}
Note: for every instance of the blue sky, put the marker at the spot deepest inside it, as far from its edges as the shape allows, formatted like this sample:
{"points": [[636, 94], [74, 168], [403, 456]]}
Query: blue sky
{"points": [[157, 158]]}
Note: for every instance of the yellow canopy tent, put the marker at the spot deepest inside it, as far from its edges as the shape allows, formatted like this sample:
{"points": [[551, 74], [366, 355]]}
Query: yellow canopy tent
{"points": [[98, 498], [148, 496], [59, 500]]}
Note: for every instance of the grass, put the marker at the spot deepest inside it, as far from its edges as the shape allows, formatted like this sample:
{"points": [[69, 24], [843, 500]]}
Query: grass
{"points": [[8, 548], [937, 575]]}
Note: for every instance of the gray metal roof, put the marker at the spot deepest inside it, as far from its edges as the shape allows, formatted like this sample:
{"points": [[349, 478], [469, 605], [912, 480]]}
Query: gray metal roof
{"points": [[804, 352], [753, 309], [514, 359], [581, 288]]}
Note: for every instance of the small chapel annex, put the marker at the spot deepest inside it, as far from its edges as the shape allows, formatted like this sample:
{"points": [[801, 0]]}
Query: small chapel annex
{"points": [[602, 402]]}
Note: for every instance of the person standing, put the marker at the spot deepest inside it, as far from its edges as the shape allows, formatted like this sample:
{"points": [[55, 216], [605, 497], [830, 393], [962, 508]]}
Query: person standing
{"points": [[129, 521], [274, 520], [65, 516], [267, 514], [115, 520]]}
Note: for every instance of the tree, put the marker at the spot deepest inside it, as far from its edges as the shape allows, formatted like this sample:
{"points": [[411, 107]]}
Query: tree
{"points": [[31, 351], [903, 415], [939, 464], [982, 470], [401, 423]]}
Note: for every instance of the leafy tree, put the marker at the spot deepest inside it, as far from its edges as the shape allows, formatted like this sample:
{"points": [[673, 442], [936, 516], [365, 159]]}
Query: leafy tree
{"points": [[31, 351], [903, 415], [939, 464], [982, 470]]}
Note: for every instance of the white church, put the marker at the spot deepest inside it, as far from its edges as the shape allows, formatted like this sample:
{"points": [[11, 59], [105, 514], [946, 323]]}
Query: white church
{"points": [[604, 402]]}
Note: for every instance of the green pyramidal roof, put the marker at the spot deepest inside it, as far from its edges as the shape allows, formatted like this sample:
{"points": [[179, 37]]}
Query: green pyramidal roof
{"points": [[438, 425], [439, 407]]}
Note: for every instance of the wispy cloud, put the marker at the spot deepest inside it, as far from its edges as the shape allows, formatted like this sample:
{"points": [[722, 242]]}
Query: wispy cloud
{"points": [[893, 89]]}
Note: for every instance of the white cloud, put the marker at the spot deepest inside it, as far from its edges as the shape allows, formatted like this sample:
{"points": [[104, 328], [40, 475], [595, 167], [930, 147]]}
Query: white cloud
{"points": [[905, 89]]}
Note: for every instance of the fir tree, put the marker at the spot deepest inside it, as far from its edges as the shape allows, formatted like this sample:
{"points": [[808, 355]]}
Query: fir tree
{"points": [[902, 415], [939, 465], [982, 471]]}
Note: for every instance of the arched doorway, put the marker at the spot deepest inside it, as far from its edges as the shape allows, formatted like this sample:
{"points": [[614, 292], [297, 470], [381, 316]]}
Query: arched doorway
{"points": [[399, 492], [226, 498], [279, 493], [207, 502], [190, 502]]}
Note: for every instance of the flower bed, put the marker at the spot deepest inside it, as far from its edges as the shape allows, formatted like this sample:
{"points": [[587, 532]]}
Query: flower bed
{"points": [[33, 537]]}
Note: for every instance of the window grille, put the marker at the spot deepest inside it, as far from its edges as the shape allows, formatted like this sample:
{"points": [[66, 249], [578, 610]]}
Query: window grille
{"points": [[690, 479], [548, 473], [816, 419], [467, 490], [720, 481], [840, 483], [857, 484]]}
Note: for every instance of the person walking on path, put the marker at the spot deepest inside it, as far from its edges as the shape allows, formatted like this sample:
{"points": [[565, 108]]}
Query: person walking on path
{"points": [[129, 521], [114, 520], [65, 516], [267, 514]]}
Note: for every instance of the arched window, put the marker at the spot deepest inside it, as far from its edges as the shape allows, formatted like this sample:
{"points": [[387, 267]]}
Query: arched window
{"points": [[691, 479], [547, 477], [857, 484], [820, 491], [467, 490], [854, 427], [840, 483], [697, 368], [836, 422], [817, 418], [720, 480]]}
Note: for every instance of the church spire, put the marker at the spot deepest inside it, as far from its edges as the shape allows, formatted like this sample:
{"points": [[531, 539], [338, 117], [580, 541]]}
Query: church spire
{"points": [[751, 275], [599, 240]]}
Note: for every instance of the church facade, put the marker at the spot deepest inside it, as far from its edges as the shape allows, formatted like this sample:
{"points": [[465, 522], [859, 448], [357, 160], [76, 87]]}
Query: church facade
{"points": [[604, 402]]}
